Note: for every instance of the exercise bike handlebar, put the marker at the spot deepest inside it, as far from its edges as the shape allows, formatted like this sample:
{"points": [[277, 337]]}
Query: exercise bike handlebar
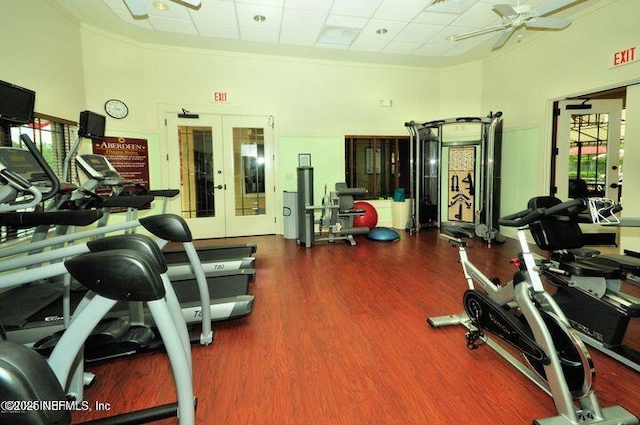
{"points": [[531, 215]]}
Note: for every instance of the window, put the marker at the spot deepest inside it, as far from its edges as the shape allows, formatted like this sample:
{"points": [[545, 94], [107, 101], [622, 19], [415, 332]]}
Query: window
{"points": [[53, 137], [379, 164]]}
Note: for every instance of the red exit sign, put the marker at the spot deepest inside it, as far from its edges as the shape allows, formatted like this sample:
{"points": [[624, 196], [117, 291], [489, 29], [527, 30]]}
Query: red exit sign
{"points": [[625, 56], [220, 97]]}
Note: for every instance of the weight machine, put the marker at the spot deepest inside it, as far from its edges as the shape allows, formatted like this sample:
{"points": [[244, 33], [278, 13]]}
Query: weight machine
{"points": [[337, 212], [455, 174]]}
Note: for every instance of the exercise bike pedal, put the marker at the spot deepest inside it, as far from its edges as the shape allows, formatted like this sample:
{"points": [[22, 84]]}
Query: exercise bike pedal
{"points": [[473, 336]]}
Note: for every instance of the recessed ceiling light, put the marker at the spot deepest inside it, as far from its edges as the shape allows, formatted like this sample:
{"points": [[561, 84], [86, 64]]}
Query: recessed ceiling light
{"points": [[160, 5], [259, 18], [382, 31]]}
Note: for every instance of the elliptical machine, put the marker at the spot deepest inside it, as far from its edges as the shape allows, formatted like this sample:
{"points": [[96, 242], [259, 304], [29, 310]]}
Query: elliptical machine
{"points": [[522, 314]]}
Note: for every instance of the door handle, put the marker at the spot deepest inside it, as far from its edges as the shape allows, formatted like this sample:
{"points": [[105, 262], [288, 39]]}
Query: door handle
{"points": [[221, 187]]}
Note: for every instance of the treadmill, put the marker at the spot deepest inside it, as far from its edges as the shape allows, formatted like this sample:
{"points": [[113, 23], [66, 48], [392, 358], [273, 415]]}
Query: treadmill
{"points": [[228, 291], [101, 173]]}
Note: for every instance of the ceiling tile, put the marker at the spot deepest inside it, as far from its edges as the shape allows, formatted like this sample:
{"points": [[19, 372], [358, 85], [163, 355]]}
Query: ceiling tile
{"points": [[361, 8], [217, 30], [369, 45], [313, 5], [262, 35], [173, 25], [400, 10], [298, 38], [418, 33], [246, 13], [432, 50], [346, 21], [216, 11], [302, 20], [435, 18], [273, 3], [479, 15], [331, 46], [393, 29], [400, 47]]}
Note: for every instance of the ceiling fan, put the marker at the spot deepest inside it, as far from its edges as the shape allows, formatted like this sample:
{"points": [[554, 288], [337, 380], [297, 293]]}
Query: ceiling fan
{"points": [[514, 17], [139, 10]]}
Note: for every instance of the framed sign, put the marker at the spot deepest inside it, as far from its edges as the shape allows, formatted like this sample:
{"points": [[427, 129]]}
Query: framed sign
{"points": [[304, 160]]}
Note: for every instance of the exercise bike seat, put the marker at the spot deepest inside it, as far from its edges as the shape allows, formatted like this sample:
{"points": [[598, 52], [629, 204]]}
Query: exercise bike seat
{"points": [[27, 376]]}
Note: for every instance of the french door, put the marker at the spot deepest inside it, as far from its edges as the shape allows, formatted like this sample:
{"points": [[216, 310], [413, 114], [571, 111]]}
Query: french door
{"points": [[588, 149], [223, 166]]}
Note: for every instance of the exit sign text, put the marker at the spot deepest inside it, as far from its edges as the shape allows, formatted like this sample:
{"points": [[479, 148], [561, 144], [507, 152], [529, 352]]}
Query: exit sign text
{"points": [[625, 56], [220, 97]]}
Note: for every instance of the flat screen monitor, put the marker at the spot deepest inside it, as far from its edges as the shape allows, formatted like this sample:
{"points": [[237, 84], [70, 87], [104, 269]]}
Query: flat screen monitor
{"points": [[91, 125], [16, 103]]}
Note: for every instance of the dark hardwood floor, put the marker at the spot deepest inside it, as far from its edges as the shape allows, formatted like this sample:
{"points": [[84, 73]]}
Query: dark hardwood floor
{"points": [[338, 336]]}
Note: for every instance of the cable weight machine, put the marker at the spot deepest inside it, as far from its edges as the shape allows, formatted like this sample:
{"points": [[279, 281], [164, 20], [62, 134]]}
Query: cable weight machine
{"points": [[455, 174]]}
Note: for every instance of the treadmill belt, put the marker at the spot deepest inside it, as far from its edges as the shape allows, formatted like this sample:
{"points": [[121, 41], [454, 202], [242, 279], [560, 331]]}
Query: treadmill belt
{"points": [[20, 303]]}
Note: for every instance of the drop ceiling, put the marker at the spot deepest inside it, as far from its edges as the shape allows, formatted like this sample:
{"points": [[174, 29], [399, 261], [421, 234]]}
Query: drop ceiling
{"points": [[407, 32]]}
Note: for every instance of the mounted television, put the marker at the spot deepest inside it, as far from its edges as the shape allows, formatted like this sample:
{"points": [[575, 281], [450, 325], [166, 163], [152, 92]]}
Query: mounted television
{"points": [[91, 125], [16, 103]]}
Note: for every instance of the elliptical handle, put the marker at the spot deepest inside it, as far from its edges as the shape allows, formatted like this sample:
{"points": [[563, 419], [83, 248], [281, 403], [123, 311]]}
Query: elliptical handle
{"points": [[55, 182], [528, 216], [521, 218], [570, 207]]}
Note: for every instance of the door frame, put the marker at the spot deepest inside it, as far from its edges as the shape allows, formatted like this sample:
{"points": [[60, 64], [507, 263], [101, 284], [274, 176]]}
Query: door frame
{"points": [[560, 160], [166, 110]]}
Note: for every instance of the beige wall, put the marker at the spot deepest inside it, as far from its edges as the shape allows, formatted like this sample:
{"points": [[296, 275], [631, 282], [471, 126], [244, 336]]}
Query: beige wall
{"points": [[40, 50], [311, 98]]}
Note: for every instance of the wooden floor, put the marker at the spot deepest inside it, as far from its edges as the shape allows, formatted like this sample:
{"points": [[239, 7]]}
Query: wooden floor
{"points": [[338, 336]]}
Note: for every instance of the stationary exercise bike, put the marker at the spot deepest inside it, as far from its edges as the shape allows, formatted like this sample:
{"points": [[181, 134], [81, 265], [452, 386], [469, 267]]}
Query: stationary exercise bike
{"points": [[523, 315]]}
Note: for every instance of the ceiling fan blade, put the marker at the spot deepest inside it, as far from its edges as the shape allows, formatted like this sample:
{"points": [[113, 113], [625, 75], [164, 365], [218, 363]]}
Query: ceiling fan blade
{"points": [[136, 8], [504, 10], [503, 38], [458, 37], [552, 7], [547, 23], [194, 3]]}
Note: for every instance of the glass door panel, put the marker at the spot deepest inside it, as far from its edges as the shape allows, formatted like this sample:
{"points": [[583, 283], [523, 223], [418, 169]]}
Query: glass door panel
{"points": [[248, 161], [588, 142], [196, 172], [250, 202], [195, 156]]}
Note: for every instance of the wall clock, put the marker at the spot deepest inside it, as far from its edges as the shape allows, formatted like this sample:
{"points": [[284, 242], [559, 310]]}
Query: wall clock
{"points": [[116, 108]]}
